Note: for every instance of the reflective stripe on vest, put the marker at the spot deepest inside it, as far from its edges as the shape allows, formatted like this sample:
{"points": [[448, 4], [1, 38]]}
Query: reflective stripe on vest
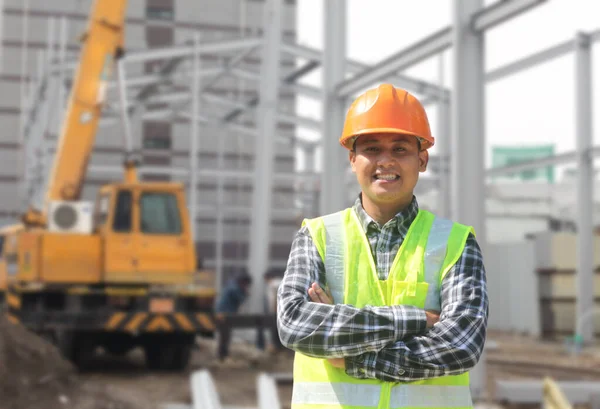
{"points": [[430, 396], [401, 396], [435, 252], [336, 393]]}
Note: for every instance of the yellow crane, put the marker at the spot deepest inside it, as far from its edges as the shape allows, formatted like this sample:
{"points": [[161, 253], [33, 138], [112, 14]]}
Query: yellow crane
{"points": [[123, 276]]}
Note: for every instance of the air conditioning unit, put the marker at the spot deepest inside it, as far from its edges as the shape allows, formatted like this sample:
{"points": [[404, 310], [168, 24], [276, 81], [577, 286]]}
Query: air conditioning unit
{"points": [[70, 217]]}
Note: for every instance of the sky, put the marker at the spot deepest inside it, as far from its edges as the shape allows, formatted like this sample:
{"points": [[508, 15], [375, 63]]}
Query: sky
{"points": [[532, 107]]}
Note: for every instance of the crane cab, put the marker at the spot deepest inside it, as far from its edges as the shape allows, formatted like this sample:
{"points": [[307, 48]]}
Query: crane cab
{"points": [[145, 233]]}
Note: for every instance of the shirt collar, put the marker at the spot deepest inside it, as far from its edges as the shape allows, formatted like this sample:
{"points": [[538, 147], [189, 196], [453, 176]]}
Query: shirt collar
{"points": [[402, 219]]}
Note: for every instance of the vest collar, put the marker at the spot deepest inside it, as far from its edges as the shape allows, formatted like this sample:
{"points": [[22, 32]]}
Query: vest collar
{"points": [[402, 219]]}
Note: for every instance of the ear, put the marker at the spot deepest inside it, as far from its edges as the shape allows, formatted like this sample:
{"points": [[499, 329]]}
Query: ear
{"points": [[423, 160], [352, 158]]}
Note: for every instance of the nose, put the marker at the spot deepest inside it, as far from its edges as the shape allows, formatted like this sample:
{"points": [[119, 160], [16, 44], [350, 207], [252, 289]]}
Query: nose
{"points": [[385, 158]]}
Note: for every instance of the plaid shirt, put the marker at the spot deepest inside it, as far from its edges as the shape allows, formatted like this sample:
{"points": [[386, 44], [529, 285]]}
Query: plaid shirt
{"points": [[389, 343]]}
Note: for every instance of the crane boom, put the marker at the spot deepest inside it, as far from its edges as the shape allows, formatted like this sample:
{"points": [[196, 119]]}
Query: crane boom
{"points": [[102, 45]]}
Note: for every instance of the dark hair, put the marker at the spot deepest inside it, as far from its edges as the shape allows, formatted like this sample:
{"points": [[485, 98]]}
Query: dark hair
{"points": [[244, 278]]}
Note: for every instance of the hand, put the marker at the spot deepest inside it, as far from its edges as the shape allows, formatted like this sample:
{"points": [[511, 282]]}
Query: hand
{"points": [[433, 317], [338, 362], [318, 295]]}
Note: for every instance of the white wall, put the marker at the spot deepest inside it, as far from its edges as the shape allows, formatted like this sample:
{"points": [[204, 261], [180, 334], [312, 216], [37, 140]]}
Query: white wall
{"points": [[513, 287]]}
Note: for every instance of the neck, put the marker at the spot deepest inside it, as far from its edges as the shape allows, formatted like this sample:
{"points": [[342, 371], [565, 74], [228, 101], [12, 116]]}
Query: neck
{"points": [[383, 213]]}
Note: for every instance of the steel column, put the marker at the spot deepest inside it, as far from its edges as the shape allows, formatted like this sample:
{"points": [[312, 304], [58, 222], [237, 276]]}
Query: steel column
{"points": [[442, 140], [194, 137], [585, 183], [219, 212], [332, 197], [1, 35], [260, 225], [468, 139]]}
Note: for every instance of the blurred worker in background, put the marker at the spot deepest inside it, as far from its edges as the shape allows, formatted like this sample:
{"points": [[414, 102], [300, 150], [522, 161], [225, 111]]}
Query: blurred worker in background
{"points": [[383, 294], [272, 281], [233, 296]]}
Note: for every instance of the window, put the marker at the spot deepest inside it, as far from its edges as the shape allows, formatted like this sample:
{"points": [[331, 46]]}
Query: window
{"points": [[122, 220], [159, 213], [159, 13], [160, 9], [157, 142], [101, 212], [156, 135]]}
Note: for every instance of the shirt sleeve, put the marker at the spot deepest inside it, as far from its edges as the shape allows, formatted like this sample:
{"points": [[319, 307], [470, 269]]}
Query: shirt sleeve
{"points": [[454, 344], [334, 331]]}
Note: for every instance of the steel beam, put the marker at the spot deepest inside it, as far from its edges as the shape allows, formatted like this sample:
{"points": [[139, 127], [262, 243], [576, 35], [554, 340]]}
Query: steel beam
{"points": [[435, 43], [177, 97], [203, 390], [530, 61], [585, 183], [228, 66], [266, 387], [285, 178], [288, 79], [188, 50], [468, 137], [526, 391], [179, 51], [560, 159], [260, 225], [411, 84], [499, 12], [150, 79], [333, 177], [300, 89]]}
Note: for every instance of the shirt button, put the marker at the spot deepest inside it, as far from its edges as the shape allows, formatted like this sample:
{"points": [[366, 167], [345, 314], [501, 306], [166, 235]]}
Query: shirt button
{"points": [[401, 371]]}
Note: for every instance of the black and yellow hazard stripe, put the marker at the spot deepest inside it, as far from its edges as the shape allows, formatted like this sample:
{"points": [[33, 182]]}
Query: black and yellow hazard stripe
{"points": [[13, 304], [137, 322]]}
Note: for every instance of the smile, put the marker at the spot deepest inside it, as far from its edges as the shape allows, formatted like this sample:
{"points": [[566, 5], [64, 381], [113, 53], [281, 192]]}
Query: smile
{"points": [[386, 176]]}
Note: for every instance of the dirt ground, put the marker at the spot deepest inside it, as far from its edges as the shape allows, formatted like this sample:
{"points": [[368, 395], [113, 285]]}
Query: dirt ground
{"points": [[32, 372], [235, 381], [34, 375]]}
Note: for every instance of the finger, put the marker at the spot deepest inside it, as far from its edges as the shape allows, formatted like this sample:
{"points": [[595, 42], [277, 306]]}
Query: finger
{"points": [[313, 295], [322, 296]]}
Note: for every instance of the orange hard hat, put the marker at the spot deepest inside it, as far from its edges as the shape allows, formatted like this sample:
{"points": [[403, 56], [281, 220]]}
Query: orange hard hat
{"points": [[386, 109]]}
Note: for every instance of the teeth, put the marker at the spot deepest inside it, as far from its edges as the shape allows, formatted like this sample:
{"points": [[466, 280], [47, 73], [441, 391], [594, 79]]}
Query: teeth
{"points": [[386, 177]]}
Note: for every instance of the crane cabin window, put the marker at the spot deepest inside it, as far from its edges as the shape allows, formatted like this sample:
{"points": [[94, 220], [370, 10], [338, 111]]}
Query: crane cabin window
{"points": [[101, 210], [159, 213], [122, 219]]}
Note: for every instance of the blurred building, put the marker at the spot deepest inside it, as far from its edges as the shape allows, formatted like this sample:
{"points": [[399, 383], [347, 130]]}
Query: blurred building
{"points": [[165, 143]]}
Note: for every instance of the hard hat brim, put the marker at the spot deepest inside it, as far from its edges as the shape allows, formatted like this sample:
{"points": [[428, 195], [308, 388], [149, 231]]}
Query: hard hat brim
{"points": [[348, 141]]}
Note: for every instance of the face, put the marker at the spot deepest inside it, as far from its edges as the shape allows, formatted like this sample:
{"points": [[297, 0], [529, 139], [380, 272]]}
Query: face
{"points": [[387, 167]]}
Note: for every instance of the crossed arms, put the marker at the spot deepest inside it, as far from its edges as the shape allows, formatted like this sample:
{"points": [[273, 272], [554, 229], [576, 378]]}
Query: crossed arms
{"points": [[392, 343]]}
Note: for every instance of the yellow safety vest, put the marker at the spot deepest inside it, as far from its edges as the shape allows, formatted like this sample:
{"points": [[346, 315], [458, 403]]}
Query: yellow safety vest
{"points": [[431, 247]]}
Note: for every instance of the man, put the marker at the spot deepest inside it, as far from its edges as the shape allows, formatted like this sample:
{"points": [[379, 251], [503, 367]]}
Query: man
{"points": [[272, 279], [385, 305], [233, 296]]}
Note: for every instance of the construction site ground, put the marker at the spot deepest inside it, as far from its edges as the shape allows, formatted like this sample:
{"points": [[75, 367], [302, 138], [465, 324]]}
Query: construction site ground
{"points": [[32, 372]]}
